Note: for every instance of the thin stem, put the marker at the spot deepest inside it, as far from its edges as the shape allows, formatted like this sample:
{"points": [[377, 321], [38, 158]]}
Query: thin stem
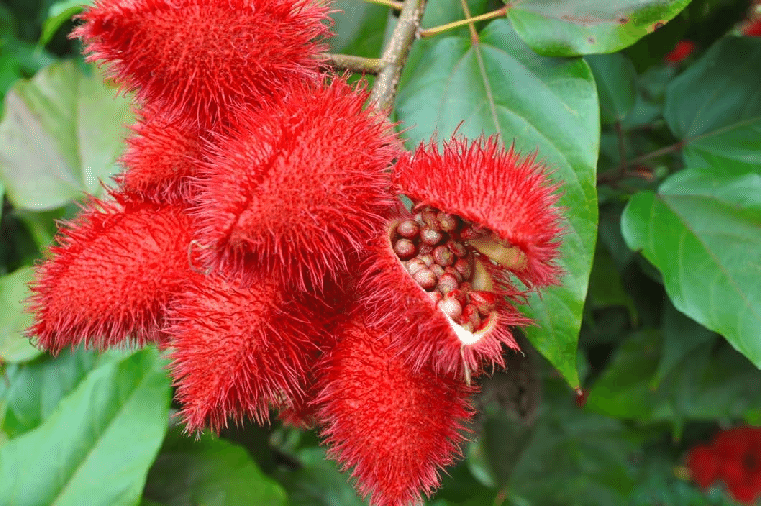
{"points": [[353, 63], [395, 55], [388, 3], [658, 152], [469, 21], [436, 30]]}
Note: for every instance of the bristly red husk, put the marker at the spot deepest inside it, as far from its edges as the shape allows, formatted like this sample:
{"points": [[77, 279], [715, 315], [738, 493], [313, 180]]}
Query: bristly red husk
{"points": [[239, 350], [117, 266], [494, 188], [420, 332], [396, 427], [208, 60], [296, 191], [160, 159]]}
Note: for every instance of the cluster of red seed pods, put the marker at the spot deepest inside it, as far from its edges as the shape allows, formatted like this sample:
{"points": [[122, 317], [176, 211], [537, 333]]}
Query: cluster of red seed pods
{"points": [[256, 234]]}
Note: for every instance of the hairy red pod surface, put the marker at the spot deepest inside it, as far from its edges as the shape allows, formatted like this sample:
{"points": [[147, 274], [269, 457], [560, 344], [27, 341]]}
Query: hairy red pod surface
{"points": [[396, 427], [160, 159], [117, 266], [425, 332], [207, 60], [297, 191], [238, 350], [508, 196]]}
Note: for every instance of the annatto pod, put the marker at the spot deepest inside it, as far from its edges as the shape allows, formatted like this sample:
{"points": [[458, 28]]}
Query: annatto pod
{"points": [[206, 60], [436, 297], [111, 276], [394, 425], [508, 201], [298, 190], [238, 350], [161, 158]]}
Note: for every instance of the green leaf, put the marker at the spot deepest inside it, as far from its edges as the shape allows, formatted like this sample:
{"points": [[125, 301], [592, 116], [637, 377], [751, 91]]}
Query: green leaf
{"points": [[59, 13], [714, 107], [359, 28], [701, 231], [96, 448], [544, 104], [33, 390], [682, 336], [209, 471], [14, 319], [616, 85], [575, 458], [318, 482], [61, 135], [574, 27]]}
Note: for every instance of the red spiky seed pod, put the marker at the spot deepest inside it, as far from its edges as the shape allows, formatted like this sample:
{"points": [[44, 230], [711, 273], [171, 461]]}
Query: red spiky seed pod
{"points": [[117, 266], [298, 190], [509, 202], [238, 350], [438, 318], [160, 159], [395, 426], [206, 60]]}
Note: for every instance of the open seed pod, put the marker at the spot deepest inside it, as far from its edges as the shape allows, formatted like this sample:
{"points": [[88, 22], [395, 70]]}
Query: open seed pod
{"points": [[436, 296], [508, 201]]}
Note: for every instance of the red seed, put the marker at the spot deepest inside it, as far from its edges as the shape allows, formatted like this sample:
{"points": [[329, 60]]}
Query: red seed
{"points": [[437, 270], [450, 307], [465, 267], [454, 272], [447, 222], [485, 302], [443, 256], [430, 217], [435, 297], [447, 283], [426, 258], [470, 315], [408, 229], [425, 278], [457, 248], [415, 265], [431, 236], [404, 249], [459, 295], [425, 249]]}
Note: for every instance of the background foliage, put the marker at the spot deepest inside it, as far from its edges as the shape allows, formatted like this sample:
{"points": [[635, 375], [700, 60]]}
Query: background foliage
{"points": [[658, 319]]}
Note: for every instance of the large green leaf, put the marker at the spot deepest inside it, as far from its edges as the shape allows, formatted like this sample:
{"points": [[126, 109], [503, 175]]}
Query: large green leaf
{"points": [[545, 104], [704, 385], [616, 85], [714, 107], [702, 230], [97, 446], [209, 471], [14, 319], [574, 27], [33, 390], [61, 135]]}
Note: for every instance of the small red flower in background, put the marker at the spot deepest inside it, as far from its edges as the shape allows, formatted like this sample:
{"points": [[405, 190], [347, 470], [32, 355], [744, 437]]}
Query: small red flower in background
{"points": [[681, 51], [206, 60], [752, 28], [732, 458]]}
